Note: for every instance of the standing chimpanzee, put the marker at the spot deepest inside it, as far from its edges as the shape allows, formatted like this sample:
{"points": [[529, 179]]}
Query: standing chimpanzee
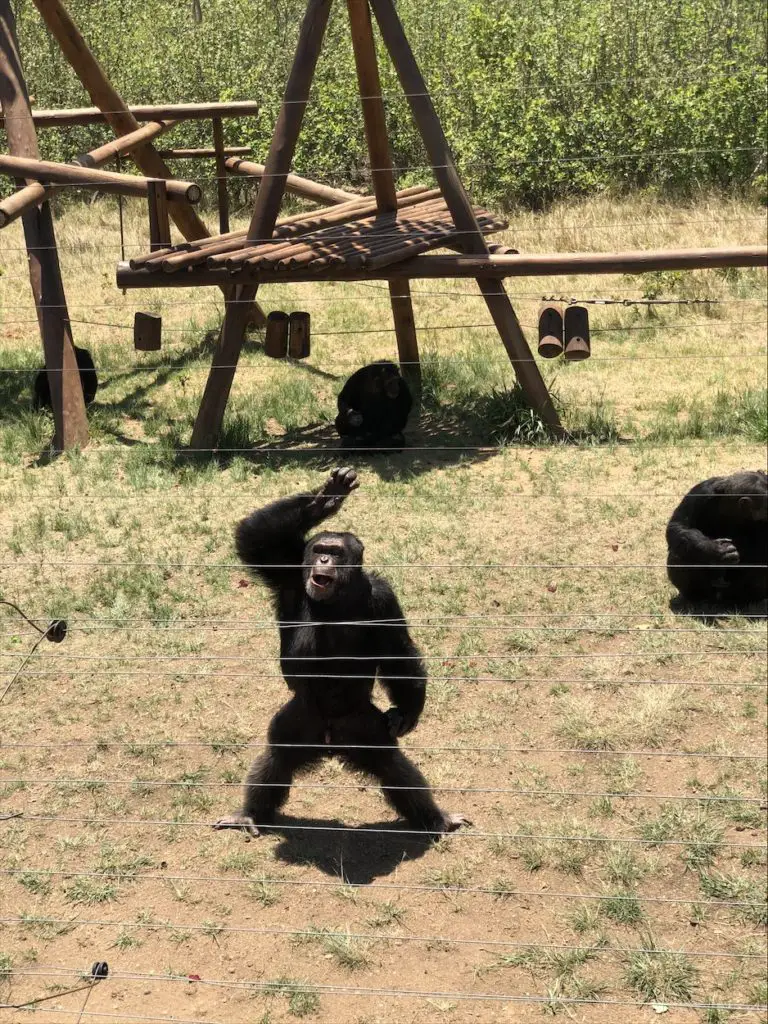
{"points": [[718, 540], [374, 406], [88, 381], [339, 626]]}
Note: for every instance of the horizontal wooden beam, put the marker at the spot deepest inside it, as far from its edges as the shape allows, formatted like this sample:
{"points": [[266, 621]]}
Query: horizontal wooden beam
{"points": [[175, 111], [89, 177], [544, 265], [24, 199], [304, 187], [203, 153]]}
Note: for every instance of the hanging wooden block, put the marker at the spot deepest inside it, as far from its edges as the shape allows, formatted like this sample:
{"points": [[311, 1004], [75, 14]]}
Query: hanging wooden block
{"points": [[577, 333], [298, 345], [147, 332], [276, 338], [550, 331]]}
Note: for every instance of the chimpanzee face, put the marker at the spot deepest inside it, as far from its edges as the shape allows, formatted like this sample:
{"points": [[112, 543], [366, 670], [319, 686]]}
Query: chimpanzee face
{"points": [[387, 378], [332, 565], [753, 496]]}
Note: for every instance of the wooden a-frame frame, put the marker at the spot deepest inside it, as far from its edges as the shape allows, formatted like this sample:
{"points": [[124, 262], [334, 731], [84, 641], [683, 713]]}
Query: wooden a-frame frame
{"points": [[278, 164]]}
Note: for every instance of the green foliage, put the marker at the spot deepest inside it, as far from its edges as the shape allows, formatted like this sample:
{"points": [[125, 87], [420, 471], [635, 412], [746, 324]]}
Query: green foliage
{"points": [[539, 101]]}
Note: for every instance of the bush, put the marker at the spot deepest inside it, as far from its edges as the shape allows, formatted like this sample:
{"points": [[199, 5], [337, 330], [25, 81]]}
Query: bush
{"points": [[539, 101]]}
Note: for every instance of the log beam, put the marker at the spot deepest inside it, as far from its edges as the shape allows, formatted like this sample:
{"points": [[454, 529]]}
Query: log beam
{"points": [[494, 267], [146, 112], [92, 177]]}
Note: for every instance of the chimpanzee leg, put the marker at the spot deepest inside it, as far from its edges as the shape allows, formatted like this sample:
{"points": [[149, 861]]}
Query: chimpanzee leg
{"points": [[268, 782], [403, 785]]}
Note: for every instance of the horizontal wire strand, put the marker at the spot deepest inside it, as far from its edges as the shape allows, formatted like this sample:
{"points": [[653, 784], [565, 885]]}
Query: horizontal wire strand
{"points": [[273, 988], [164, 783], [461, 833], [226, 743]]}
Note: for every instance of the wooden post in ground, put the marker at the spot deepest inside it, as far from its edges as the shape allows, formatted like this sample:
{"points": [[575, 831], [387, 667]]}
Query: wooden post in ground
{"points": [[219, 384], [444, 166], [70, 422], [159, 220], [221, 175], [382, 173]]}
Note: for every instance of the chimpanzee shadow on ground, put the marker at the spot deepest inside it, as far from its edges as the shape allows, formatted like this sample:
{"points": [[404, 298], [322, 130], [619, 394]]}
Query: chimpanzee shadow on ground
{"points": [[711, 614], [353, 855]]}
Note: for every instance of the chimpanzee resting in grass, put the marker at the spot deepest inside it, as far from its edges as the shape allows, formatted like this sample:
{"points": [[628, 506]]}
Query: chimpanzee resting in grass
{"points": [[374, 405], [718, 540], [339, 627], [88, 381]]}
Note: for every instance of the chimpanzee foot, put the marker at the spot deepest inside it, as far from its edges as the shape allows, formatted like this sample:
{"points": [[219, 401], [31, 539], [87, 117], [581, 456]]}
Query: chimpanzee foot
{"points": [[239, 821], [455, 821]]}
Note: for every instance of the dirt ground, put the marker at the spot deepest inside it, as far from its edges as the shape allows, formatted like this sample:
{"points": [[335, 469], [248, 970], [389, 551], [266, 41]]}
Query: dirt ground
{"points": [[609, 750]]}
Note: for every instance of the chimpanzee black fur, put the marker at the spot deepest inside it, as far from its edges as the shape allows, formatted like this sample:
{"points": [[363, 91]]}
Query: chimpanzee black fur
{"points": [[339, 627], [374, 406], [88, 381], [718, 540]]}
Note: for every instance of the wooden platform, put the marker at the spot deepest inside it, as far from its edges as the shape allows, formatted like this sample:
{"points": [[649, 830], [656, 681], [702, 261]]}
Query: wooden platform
{"points": [[351, 236]]}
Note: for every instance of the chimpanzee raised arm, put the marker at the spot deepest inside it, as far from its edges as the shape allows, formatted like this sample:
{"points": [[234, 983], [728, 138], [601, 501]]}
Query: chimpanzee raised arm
{"points": [[271, 540]]}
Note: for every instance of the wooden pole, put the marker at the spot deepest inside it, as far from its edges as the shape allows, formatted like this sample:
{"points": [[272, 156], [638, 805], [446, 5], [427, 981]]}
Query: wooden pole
{"points": [[203, 153], [294, 183], [221, 174], [214, 402], [145, 112], [70, 422], [459, 267], [92, 177], [159, 222], [383, 178], [123, 144], [444, 166]]}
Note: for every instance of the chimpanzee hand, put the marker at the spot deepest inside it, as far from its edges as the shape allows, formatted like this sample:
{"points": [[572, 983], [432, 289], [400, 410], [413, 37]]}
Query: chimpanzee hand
{"points": [[340, 483], [724, 550], [329, 498], [400, 722]]}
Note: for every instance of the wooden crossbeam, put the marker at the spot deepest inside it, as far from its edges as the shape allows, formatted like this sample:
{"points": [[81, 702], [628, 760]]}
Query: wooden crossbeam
{"points": [[456, 267]]}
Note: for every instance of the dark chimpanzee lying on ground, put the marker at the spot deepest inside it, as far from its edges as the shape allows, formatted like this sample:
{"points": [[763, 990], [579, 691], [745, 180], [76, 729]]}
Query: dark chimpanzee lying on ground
{"points": [[88, 381], [374, 405], [715, 534], [339, 627]]}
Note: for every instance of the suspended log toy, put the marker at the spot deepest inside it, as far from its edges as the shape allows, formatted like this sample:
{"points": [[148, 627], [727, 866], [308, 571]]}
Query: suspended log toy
{"points": [[550, 332], [576, 328], [276, 337]]}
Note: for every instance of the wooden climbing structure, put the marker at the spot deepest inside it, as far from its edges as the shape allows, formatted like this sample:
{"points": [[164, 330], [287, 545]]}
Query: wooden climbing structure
{"points": [[365, 235], [386, 236]]}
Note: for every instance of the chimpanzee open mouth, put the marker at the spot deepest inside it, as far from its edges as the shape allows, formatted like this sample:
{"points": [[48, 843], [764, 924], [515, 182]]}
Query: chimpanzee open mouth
{"points": [[322, 580]]}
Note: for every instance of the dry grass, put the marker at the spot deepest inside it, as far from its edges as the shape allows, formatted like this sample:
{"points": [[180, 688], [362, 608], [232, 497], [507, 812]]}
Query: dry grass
{"points": [[574, 647]]}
